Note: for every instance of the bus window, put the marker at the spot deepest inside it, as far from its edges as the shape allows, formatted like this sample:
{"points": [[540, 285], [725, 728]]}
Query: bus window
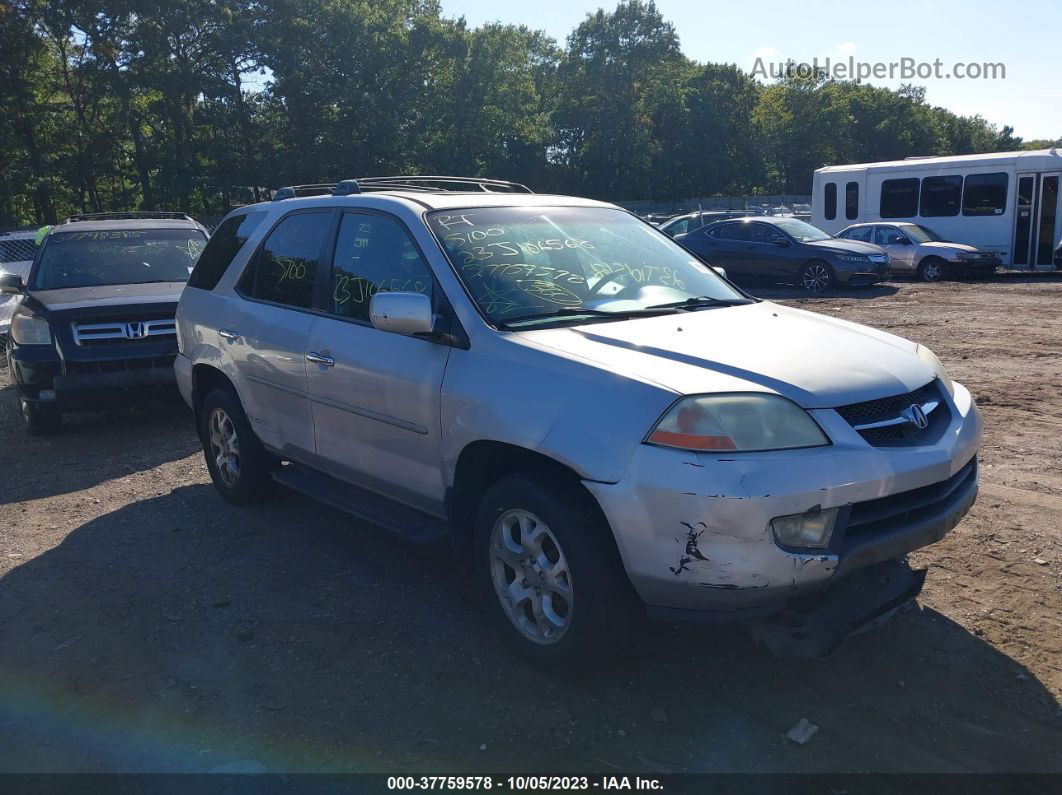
{"points": [[985, 194], [830, 203], [851, 201], [899, 198], [941, 196]]}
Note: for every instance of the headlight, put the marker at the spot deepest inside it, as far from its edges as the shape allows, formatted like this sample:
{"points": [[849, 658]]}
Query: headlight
{"points": [[30, 330], [743, 422], [931, 359], [964, 255], [853, 258]]}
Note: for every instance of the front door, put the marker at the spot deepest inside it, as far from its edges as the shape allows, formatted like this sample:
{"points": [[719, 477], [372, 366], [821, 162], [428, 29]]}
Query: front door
{"points": [[1024, 220], [897, 245], [375, 394], [262, 336], [1047, 223]]}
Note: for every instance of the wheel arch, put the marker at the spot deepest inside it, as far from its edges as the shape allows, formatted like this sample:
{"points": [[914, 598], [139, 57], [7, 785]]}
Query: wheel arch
{"points": [[206, 377]]}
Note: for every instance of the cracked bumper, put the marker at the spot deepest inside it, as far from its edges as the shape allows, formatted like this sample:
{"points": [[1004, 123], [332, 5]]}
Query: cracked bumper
{"points": [[692, 528]]}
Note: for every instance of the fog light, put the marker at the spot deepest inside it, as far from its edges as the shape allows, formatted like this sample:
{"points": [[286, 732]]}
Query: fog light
{"points": [[46, 394], [811, 529]]}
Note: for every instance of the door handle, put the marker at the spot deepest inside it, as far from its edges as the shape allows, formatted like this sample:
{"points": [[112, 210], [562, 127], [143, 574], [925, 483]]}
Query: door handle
{"points": [[228, 336], [317, 358]]}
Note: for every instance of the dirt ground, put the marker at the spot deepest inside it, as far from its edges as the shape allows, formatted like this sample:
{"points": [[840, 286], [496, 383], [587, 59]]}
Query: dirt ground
{"points": [[145, 625]]}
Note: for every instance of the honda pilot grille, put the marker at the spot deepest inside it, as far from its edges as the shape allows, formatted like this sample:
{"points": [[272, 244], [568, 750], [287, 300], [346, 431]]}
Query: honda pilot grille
{"points": [[911, 418], [124, 332], [118, 365]]}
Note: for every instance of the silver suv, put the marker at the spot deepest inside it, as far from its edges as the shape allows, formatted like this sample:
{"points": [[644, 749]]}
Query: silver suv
{"points": [[598, 424]]}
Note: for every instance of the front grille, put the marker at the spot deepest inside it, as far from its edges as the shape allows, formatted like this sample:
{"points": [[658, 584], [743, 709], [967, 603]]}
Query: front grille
{"points": [[117, 365], [124, 332], [890, 410], [886, 514]]}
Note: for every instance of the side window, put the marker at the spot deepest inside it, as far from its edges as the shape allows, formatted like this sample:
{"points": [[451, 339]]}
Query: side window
{"points": [[899, 198], [940, 196], [285, 269], [679, 227], [223, 246], [859, 233], [729, 232], [830, 201], [985, 194], [373, 254], [764, 233], [888, 236], [851, 201]]}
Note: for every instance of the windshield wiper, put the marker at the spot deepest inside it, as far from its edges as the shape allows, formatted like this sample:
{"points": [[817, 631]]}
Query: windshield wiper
{"points": [[577, 311], [698, 301]]}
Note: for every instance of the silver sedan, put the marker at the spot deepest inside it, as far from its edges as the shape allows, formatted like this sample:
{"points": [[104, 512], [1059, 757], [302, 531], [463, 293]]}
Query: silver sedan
{"points": [[919, 251]]}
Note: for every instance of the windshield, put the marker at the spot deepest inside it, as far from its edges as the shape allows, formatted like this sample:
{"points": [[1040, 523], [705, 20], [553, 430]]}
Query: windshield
{"points": [[804, 232], [922, 234], [128, 256], [534, 263]]}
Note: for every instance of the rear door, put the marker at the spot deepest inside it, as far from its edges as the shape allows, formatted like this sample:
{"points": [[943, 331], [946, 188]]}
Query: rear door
{"points": [[263, 333], [725, 245], [375, 394]]}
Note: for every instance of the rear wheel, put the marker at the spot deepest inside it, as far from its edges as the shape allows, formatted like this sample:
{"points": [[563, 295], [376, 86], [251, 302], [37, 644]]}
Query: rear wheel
{"points": [[931, 269], [817, 277], [38, 421], [238, 464], [550, 571]]}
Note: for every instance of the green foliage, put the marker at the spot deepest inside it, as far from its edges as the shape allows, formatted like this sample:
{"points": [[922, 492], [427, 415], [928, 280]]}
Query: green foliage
{"points": [[117, 104]]}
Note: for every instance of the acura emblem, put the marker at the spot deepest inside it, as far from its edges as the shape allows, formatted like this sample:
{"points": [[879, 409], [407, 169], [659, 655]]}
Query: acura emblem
{"points": [[914, 415]]}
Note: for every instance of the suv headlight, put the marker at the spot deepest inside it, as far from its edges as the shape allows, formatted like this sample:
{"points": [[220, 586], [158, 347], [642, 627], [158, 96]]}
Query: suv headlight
{"points": [[742, 422], [30, 330], [931, 359]]}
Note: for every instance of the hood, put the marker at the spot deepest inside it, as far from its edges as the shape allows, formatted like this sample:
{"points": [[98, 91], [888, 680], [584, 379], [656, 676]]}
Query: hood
{"points": [[840, 246], [946, 246], [814, 360], [109, 295]]}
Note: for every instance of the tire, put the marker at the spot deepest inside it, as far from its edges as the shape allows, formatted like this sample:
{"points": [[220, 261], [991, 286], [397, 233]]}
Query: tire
{"points": [[38, 421], [238, 464], [566, 621], [931, 269], [817, 277]]}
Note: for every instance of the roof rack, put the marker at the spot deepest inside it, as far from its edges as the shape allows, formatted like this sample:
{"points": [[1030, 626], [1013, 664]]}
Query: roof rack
{"points": [[418, 184], [128, 216]]}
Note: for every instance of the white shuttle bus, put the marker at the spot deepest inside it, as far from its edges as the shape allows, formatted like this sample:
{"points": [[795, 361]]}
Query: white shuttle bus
{"points": [[1006, 202]]}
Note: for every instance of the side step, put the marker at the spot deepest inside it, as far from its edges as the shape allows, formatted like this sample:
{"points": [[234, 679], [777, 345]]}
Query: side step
{"points": [[409, 523]]}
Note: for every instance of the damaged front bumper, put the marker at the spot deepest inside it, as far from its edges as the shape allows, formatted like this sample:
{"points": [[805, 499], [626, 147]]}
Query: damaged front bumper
{"points": [[693, 528]]}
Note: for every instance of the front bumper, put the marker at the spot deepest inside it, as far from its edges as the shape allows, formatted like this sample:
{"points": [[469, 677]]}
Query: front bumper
{"points": [[852, 276], [693, 528], [43, 379]]}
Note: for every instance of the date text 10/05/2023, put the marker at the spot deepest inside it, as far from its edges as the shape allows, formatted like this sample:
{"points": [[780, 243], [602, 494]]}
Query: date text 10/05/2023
{"points": [[524, 783]]}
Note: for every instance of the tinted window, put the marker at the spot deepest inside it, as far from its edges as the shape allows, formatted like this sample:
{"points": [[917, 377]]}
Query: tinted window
{"points": [[899, 198], [225, 243], [985, 194], [888, 236], [679, 227], [286, 266], [830, 204], [859, 233], [765, 233], [729, 232], [941, 196], [373, 254], [851, 201]]}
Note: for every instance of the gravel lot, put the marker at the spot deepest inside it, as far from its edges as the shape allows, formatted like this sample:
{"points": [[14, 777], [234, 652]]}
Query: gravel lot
{"points": [[145, 625]]}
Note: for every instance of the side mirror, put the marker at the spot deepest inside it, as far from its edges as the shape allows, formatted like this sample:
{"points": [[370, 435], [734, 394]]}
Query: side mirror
{"points": [[720, 271], [11, 283], [408, 314]]}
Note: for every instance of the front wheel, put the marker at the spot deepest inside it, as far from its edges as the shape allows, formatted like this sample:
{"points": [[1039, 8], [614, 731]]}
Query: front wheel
{"points": [[931, 269], [550, 571], [238, 464], [817, 277], [38, 421]]}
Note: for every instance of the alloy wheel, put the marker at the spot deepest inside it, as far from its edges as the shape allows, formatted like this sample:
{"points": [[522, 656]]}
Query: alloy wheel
{"points": [[224, 447], [932, 271], [815, 278], [531, 576]]}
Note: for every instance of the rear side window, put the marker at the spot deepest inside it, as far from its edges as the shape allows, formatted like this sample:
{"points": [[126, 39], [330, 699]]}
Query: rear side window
{"points": [[985, 194], [899, 198], [830, 201], [373, 255], [224, 245], [851, 201], [940, 196], [285, 270], [730, 232]]}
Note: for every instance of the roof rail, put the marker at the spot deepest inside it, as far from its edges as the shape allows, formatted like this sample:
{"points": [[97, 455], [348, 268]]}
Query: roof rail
{"points": [[128, 216], [418, 184]]}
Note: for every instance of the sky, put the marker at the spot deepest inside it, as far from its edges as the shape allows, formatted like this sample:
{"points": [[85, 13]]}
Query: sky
{"points": [[1025, 38]]}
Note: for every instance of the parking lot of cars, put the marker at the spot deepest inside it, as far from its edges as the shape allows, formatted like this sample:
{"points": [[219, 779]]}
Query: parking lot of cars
{"points": [[146, 625]]}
